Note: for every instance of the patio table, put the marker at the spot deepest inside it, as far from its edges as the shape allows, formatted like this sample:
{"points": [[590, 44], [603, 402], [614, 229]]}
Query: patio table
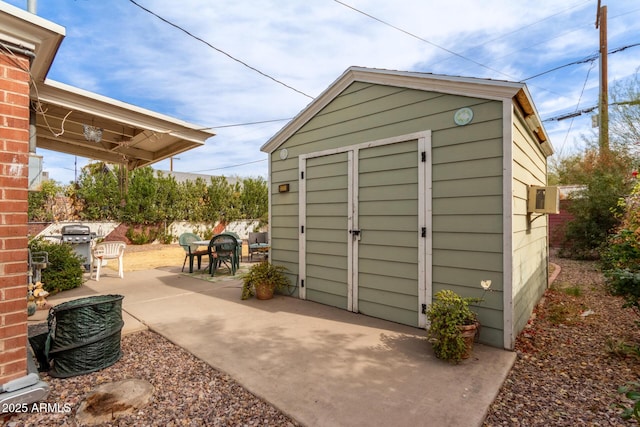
{"points": [[237, 255]]}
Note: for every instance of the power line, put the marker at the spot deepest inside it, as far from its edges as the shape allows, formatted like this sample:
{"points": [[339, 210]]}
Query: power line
{"points": [[220, 50], [229, 167], [564, 116], [582, 61], [421, 39], [587, 110], [245, 124], [584, 85]]}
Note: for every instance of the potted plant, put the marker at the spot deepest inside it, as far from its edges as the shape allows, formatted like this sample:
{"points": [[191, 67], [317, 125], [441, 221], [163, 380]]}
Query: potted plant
{"points": [[453, 326], [263, 279]]}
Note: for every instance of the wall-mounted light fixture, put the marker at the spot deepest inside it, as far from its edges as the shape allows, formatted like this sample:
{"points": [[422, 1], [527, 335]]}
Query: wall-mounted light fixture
{"points": [[283, 188]]}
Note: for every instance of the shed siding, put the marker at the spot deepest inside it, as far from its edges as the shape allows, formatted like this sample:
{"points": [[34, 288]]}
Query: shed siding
{"points": [[530, 267], [467, 176], [467, 213]]}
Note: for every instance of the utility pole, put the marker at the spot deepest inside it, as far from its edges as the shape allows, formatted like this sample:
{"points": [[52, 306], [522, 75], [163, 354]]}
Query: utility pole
{"points": [[603, 107], [171, 162]]}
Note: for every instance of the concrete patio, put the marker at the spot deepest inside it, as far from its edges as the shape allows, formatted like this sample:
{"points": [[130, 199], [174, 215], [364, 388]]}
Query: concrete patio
{"points": [[320, 365]]}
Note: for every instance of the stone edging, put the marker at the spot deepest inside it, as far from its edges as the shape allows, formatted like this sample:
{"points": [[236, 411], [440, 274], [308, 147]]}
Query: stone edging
{"points": [[554, 275]]}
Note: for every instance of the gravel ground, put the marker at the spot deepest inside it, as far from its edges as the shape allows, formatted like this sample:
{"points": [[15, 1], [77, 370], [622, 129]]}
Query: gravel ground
{"points": [[567, 371], [566, 374], [188, 392]]}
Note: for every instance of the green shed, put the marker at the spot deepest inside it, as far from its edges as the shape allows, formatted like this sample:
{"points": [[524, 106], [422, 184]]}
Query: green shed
{"points": [[391, 186]]}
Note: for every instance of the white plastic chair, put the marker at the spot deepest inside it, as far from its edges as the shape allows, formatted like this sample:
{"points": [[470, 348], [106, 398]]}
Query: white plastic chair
{"points": [[102, 252]]}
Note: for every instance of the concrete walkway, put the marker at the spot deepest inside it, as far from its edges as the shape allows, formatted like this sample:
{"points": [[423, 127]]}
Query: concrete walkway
{"points": [[320, 365]]}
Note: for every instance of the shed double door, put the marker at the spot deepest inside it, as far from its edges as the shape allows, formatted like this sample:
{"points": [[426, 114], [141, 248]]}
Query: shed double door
{"points": [[365, 228]]}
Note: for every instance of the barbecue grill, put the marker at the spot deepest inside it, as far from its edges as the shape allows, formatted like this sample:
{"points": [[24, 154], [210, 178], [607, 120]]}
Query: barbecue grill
{"points": [[79, 237]]}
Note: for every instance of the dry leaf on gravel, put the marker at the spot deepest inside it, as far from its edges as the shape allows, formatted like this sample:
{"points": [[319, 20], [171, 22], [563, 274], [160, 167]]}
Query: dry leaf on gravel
{"points": [[566, 373]]}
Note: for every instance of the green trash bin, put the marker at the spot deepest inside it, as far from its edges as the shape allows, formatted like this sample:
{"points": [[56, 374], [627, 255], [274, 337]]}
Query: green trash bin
{"points": [[84, 335]]}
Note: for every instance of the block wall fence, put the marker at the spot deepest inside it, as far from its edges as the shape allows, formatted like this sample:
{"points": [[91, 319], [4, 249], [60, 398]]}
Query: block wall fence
{"points": [[14, 165]]}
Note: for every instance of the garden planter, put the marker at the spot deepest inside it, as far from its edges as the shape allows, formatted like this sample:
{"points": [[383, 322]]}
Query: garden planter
{"points": [[468, 333], [264, 291]]}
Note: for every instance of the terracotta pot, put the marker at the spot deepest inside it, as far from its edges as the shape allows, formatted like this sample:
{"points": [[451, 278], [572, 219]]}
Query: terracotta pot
{"points": [[468, 333], [264, 291]]}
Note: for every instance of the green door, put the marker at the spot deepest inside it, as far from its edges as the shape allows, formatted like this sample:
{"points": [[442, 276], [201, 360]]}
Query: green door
{"points": [[326, 255], [365, 238], [387, 211]]}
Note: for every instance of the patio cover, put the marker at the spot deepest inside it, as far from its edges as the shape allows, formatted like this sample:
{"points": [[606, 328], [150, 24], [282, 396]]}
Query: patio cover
{"points": [[130, 135]]}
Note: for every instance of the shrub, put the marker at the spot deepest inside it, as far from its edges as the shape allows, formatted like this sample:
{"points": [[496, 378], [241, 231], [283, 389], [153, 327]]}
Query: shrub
{"points": [[41, 202], [625, 283], [447, 312], [621, 251], [632, 392], [605, 178], [264, 273], [143, 236], [65, 267], [620, 257]]}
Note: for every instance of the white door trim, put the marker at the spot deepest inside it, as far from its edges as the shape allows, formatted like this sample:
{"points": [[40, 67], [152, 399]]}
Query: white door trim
{"points": [[302, 237], [425, 244], [352, 224]]}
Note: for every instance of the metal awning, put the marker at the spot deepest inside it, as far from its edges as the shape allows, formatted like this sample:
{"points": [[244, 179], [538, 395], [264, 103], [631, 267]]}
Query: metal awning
{"points": [[69, 120]]}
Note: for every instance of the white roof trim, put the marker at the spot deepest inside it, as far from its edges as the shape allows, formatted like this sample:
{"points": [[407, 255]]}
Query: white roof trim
{"points": [[131, 134], [465, 86], [77, 99], [31, 32]]}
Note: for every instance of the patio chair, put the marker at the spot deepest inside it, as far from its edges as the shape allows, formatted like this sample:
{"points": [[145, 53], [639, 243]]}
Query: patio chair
{"points": [[258, 244], [102, 252], [222, 251], [191, 250], [238, 254]]}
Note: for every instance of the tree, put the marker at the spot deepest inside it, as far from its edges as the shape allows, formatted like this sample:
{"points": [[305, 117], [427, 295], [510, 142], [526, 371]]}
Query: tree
{"points": [[106, 193], [605, 177], [194, 203], [254, 199], [141, 198], [624, 114], [223, 200], [41, 202], [99, 192], [168, 198]]}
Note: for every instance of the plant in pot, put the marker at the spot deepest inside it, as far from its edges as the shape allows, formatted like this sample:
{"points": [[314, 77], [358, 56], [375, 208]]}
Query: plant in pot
{"points": [[263, 279], [453, 326]]}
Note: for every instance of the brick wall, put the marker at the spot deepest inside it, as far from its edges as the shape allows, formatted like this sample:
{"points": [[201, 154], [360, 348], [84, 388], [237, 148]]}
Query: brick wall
{"points": [[557, 224], [14, 161]]}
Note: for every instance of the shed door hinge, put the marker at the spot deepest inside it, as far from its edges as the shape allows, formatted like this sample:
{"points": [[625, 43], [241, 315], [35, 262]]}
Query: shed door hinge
{"points": [[301, 174], [424, 156], [302, 283], [424, 308], [302, 229], [424, 231]]}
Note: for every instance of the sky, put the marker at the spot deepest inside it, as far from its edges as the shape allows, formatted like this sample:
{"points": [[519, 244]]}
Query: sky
{"points": [[263, 61]]}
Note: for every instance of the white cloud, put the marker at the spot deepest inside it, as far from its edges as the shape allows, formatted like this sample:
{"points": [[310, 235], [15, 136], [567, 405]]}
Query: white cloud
{"points": [[118, 50]]}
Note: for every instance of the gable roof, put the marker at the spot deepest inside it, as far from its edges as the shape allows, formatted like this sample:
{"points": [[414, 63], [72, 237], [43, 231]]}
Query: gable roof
{"points": [[464, 86]]}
